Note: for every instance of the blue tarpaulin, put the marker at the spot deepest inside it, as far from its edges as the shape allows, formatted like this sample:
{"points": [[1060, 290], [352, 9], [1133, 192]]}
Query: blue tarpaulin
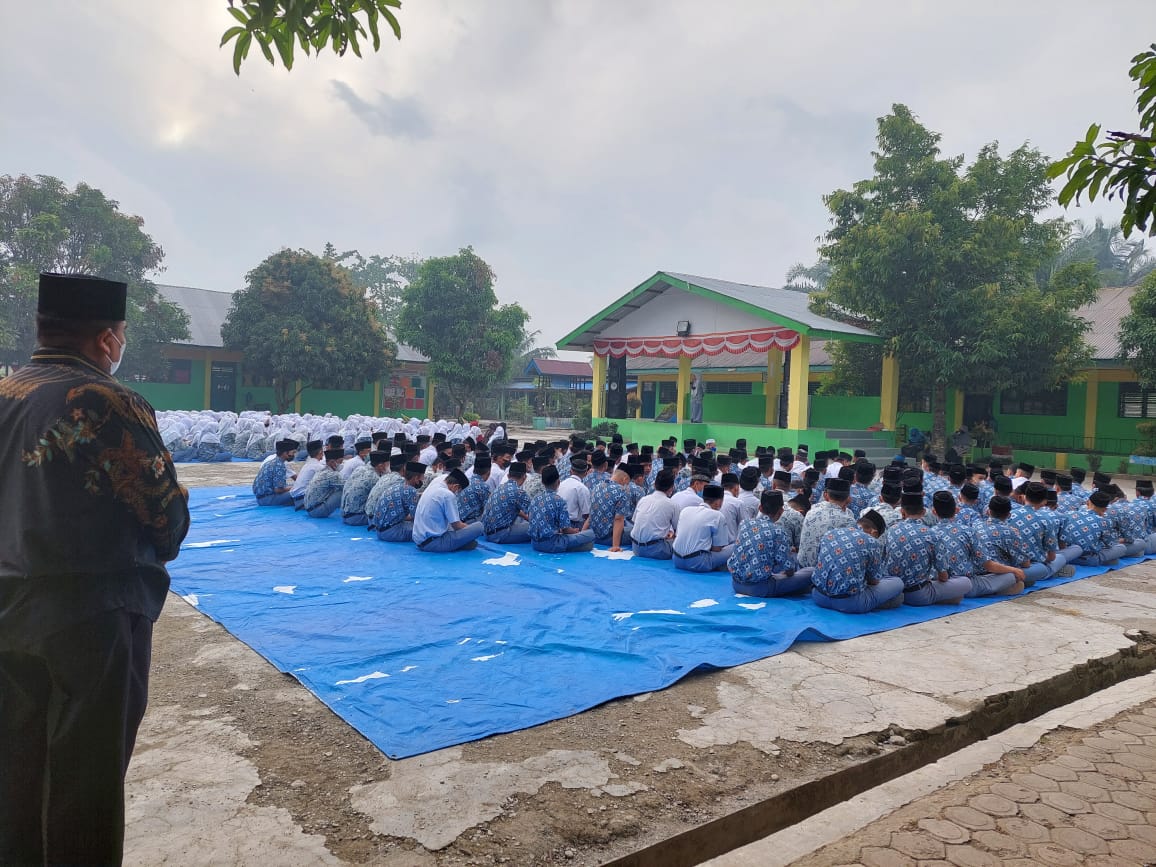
{"points": [[421, 651]]}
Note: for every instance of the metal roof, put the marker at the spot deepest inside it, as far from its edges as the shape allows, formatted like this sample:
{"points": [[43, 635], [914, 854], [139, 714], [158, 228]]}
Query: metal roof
{"points": [[556, 367], [208, 309], [1104, 315], [781, 306]]}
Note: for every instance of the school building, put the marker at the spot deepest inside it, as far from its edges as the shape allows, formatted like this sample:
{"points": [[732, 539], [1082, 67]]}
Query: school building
{"points": [[202, 374], [763, 358]]}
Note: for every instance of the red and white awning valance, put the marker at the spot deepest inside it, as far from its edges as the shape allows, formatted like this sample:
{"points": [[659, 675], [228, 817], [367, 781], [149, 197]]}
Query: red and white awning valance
{"points": [[728, 343]]}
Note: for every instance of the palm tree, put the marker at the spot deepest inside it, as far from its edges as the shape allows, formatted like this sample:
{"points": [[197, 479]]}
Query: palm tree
{"points": [[1118, 261]]}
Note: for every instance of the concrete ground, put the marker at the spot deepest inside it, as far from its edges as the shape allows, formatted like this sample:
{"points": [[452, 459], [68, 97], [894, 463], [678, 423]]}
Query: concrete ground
{"points": [[239, 764]]}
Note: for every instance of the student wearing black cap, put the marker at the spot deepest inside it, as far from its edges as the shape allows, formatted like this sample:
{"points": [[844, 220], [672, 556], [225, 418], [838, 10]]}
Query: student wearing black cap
{"points": [[962, 555], [829, 514], [551, 530], [701, 544], [1129, 525], [610, 510], [472, 498], [653, 527], [915, 554], [323, 496], [749, 492], [1146, 505], [437, 526], [1001, 542], [1078, 475], [762, 563], [359, 458], [315, 461], [393, 475], [92, 512], [850, 576], [393, 515], [356, 492], [272, 484], [506, 517], [1090, 530]]}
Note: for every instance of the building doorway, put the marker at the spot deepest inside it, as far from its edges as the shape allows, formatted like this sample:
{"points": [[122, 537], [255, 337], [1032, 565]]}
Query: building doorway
{"points": [[223, 387]]}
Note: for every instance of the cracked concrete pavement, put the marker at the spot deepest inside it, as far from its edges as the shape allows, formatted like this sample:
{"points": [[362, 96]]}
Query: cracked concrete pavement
{"points": [[237, 763]]}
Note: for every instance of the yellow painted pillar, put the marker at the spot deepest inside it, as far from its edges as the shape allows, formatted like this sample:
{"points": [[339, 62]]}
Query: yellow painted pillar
{"points": [[798, 397], [1091, 406], [598, 394], [683, 387], [638, 393], [1062, 460], [889, 392], [958, 409], [376, 397], [774, 386], [208, 380], [297, 400], [429, 397]]}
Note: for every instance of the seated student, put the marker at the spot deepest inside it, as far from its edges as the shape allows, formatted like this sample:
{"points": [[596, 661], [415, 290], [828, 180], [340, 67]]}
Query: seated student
{"points": [[437, 527], [394, 475], [323, 496], [761, 563], [574, 492], [962, 555], [699, 545], [1128, 523], [861, 494], [1038, 532], [888, 505], [1145, 503], [272, 485], [1089, 530], [1001, 542], [849, 576], [472, 498], [1067, 499], [610, 510], [830, 513], [915, 554], [551, 530], [358, 487], [315, 461], [689, 496], [653, 529], [393, 515], [748, 492], [361, 450], [506, 517]]}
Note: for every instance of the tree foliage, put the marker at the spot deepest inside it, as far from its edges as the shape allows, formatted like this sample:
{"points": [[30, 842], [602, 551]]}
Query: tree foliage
{"points": [[382, 278], [279, 25], [450, 314], [1118, 261], [807, 278], [45, 226], [1123, 164], [301, 319], [941, 260], [1138, 333]]}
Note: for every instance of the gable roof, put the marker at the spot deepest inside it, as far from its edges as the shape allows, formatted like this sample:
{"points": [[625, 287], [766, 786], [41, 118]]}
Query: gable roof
{"points": [[783, 307], [1104, 315], [555, 367], [208, 309]]}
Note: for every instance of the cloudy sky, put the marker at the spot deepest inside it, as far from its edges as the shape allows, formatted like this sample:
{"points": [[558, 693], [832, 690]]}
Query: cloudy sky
{"points": [[578, 145]]}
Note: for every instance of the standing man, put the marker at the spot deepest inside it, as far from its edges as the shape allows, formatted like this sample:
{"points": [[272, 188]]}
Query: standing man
{"points": [[92, 512]]}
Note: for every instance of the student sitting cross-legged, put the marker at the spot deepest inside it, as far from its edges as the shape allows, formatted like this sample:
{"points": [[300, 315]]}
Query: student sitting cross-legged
{"points": [[437, 527], [1090, 530], [915, 554], [762, 563], [652, 533], [962, 554], [849, 574], [393, 515], [700, 545], [550, 526], [506, 517]]}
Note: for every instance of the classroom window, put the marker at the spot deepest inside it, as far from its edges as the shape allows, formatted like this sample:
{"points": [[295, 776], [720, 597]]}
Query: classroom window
{"points": [[1136, 402], [667, 392], [1016, 402], [716, 387], [919, 401], [180, 371]]}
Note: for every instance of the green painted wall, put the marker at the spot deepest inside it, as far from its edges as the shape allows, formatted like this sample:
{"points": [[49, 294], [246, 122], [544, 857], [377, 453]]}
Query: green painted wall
{"points": [[735, 408], [844, 413], [165, 395], [1108, 422], [252, 397], [1068, 430], [320, 401]]}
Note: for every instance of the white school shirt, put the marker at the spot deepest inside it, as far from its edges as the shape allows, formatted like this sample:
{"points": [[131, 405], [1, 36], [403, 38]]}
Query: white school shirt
{"points": [[682, 500], [427, 455], [577, 497], [308, 471], [732, 513], [654, 518], [349, 466], [436, 510], [699, 529]]}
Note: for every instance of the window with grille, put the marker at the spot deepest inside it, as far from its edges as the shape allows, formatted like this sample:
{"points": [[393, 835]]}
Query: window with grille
{"points": [[728, 387], [1136, 402], [667, 392], [1016, 402]]}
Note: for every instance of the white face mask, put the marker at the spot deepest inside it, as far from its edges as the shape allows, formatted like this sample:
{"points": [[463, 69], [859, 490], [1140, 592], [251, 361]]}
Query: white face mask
{"points": [[115, 365]]}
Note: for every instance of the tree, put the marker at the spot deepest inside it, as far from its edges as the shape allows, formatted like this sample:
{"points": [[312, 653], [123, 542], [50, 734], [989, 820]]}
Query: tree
{"points": [[45, 226], [1118, 261], [450, 314], [1122, 166], [382, 278], [803, 278], [277, 24], [941, 261], [302, 323], [1138, 333]]}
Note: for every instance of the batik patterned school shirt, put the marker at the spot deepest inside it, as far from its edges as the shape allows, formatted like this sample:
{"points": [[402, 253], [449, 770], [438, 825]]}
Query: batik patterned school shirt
{"points": [[986, 492], [655, 469], [1148, 506], [969, 516], [636, 492], [1038, 532], [1089, 530], [503, 507], [357, 488], [562, 463], [820, 487], [595, 479], [889, 513], [533, 485], [861, 498], [1126, 523], [848, 560], [958, 547], [791, 522], [396, 504], [270, 478], [1000, 541], [819, 521], [383, 484], [914, 553], [682, 480], [324, 482], [472, 499], [762, 551], [548, 516], [1070, 501], [606, 503]]}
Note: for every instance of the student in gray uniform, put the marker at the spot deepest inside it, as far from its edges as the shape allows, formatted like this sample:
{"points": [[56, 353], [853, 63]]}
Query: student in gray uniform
{"points": [[915, 554], [652, 533], [323, 496], [699, 547]]}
